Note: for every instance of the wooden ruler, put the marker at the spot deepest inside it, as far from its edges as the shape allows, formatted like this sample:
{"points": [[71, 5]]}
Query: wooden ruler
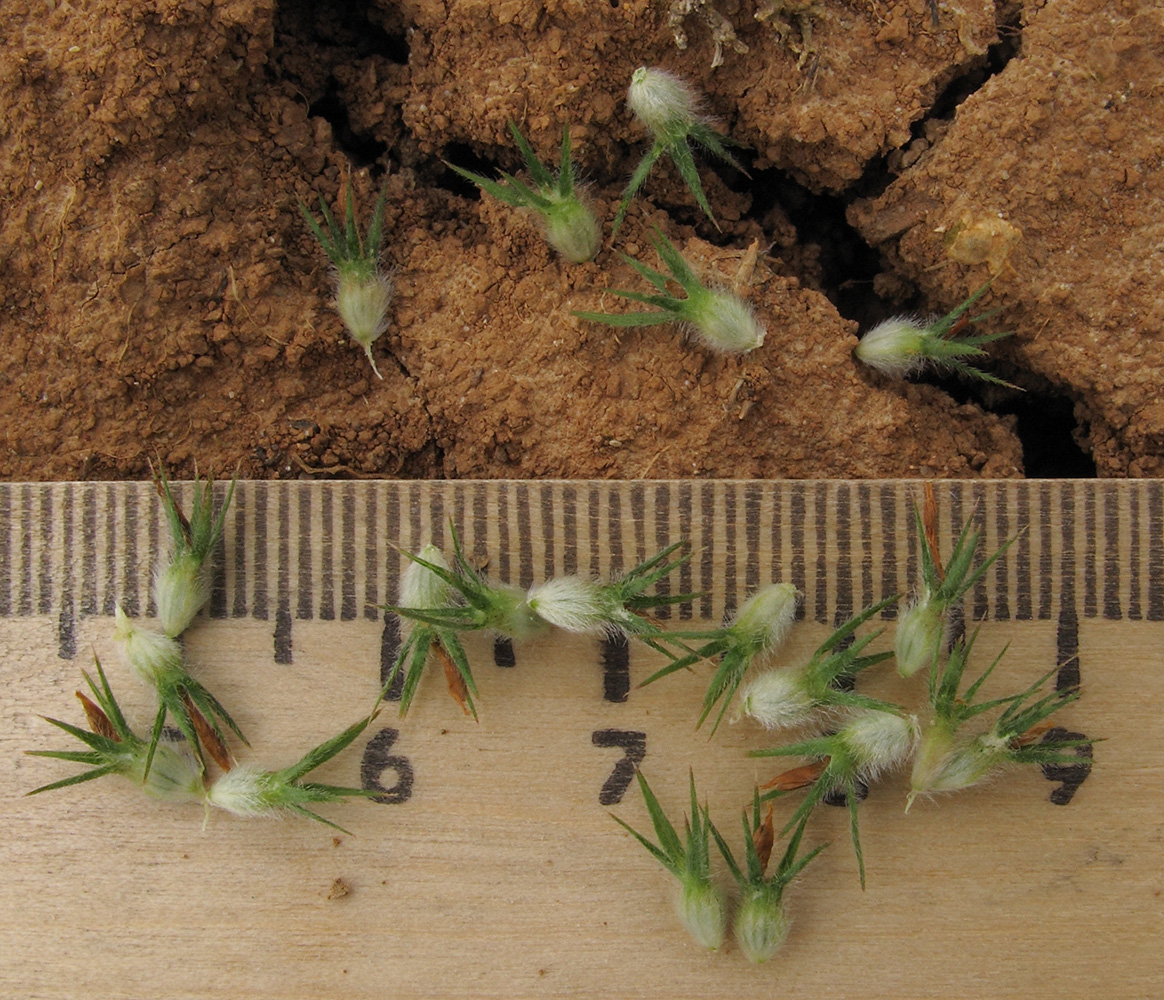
{"points": [[490, 866]]}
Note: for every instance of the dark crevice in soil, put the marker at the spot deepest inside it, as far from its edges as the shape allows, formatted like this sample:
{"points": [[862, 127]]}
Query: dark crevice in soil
{"points": [[1009, 45], [362, 150], [1046, 426], [346, 25], [465, 157], [883, 170], [846, 265]]}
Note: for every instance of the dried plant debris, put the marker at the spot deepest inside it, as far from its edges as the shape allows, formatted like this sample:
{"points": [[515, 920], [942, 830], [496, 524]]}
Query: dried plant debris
{"points": [[722, 32]]}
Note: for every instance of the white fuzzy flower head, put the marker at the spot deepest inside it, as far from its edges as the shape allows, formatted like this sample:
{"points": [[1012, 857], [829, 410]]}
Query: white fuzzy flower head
{"points": [[701, 908], [573, 604], [573, 231], [725, 323], [245, 791], [777, 699], [362, 302], [151, 655], [765, 618], [181, 589], [879, 741], [760, 926], [895, 347], [947, 763], [420, 587], [174, 776], [661, 101], [920, 632]]}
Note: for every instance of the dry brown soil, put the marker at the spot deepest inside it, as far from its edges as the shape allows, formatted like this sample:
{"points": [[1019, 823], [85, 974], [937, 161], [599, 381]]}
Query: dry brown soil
{"points": [[160, 294]]}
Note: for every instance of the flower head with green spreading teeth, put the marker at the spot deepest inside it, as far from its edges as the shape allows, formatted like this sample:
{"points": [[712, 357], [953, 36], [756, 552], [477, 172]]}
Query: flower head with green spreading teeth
{"points": [[700, 904], [670, 111], [719, 319], [182, 578], [923, 629], [166, 771], [251, 792], [621, 607], [570, 226], [157, 661], [949, 759], [870, 743], [571, 603], [363, 290], [904, 346], [757, 630], [761, 924], [423, 589], [474, 603], [791, 696]]}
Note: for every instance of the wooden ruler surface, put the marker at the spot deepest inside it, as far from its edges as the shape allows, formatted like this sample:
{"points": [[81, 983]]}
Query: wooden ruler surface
{"points": [[490, 866]]}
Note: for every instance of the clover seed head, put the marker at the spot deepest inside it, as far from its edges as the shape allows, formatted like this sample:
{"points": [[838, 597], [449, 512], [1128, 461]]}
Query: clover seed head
{"points": [[662, 102], [778, 699], [174, 774], [895, 347], [765, 618], [246, 791], [362, 302], [574, 604], [725, 323], [181, 588], [420, 587], [879, 741], [152, 656], [702, 910], [921, 630], [761, 925], [572, 230], [946, 762]]}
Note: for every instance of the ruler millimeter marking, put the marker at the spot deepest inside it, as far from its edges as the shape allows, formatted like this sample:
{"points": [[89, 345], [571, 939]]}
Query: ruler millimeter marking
{"points": [[328, 550]]}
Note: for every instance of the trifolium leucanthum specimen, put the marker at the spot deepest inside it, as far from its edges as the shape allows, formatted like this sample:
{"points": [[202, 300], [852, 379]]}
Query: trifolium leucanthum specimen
{"points": [[924, 626], [182, 576], [166, 770], [569, 223], [718, 318], [905, 346], [757, 630], [363, 291], [761, 923], [700, 903], [869, 743], [670, 110], [790, 696], [949, 758]]}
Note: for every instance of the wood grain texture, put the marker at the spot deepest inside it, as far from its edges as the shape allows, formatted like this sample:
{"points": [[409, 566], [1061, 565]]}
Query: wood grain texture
{"points": [[502, 874]]}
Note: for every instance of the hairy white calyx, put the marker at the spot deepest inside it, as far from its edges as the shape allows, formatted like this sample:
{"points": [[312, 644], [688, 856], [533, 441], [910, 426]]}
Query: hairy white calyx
{"points": [[152, 656], [895, 347], [174, 775], [661, 101], [573, 604], [420, 587], [761, 925], [245, 791], [362, 301], [879, 741], [181, 590], [572, 230], [778, 699], [702, 910], [765, 618]]}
